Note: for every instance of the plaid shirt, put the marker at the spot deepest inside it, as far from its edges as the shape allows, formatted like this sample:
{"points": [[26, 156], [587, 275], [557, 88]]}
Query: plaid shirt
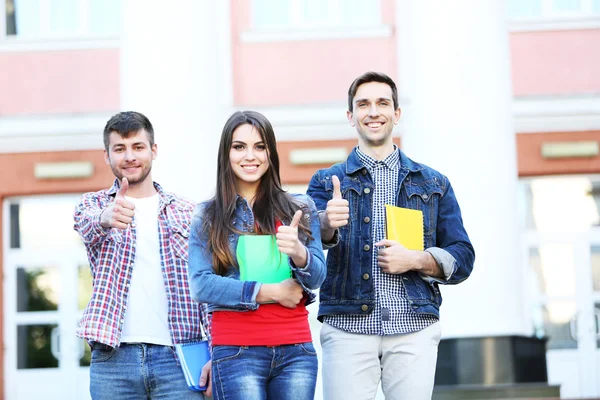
{"points": [[111, 253], [392, 313]]}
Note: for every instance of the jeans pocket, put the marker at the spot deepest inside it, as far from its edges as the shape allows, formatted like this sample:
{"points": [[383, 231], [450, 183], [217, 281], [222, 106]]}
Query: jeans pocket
{"points": [[308, 348], [223, 353], [102, 353]]}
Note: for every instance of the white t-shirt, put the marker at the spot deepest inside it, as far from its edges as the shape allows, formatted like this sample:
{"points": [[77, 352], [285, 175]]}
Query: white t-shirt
{"points": [[147, 310]]}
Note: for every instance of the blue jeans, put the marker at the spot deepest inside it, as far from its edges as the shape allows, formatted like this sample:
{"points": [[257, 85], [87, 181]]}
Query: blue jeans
{"points": [[259, 372], [137, 371]]}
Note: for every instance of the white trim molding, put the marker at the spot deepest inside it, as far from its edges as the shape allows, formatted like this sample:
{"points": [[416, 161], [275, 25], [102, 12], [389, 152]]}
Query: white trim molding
{"points": [[291, 123], [382, 31], [22, 45], [556, 114], [52, 133], [545, 24]]}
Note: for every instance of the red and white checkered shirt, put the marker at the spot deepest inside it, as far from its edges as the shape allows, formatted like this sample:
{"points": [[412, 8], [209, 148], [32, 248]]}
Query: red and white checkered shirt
{"points": [[111, 254]]}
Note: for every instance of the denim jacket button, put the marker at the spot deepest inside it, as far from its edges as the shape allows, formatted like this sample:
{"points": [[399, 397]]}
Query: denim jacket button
{"points": [[425, 197], [365, 277], [367, 190], [364, 171], [367, 220], [364, 307], [366, 247]]}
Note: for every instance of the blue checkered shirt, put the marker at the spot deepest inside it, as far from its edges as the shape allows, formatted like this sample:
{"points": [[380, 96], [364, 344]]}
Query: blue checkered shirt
{"points": [[392, 313]]}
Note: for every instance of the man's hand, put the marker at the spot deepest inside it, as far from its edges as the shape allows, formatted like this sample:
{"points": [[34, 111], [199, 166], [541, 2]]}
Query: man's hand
{"points": [[119, 213], [336, 214], [393, 258], [288, 242], [205, 378]]}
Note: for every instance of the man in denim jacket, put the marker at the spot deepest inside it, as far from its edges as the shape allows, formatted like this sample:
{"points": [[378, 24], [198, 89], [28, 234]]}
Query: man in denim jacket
{"points": [[380, 301]]}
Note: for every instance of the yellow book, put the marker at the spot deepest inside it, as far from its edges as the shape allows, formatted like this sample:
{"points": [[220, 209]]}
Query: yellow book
{"points": [[404, 226]]}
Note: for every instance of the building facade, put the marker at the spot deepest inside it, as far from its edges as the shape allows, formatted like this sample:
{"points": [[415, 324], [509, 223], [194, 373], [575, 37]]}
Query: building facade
{"points": [[501, 96]]}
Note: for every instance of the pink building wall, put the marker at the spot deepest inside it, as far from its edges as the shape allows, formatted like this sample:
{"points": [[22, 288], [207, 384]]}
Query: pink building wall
{"points": [[307, 71], [59, 82], [286, 72], [555, 63]]}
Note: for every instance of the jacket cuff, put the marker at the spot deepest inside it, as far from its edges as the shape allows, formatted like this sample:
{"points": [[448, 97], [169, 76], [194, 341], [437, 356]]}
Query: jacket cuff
{"points": [[445, 260], [249, 293], [302, 273], [335, 240]]}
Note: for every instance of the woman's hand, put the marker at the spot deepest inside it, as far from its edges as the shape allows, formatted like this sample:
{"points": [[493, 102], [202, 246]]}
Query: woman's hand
{"points": [[288, 293], [288, 242]]}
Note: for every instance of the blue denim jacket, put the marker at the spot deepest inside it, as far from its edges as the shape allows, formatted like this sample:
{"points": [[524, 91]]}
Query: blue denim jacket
{"points": [[348, 286], [228, 292]]}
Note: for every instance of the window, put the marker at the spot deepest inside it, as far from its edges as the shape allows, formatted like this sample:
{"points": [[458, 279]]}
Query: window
{"points": [[552, 10], [278, 15], [60, 19], [560, 203]]}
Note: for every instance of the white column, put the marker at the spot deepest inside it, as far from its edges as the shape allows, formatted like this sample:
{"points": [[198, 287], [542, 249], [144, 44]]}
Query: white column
{"points": [[454, 76], [176, 69]]}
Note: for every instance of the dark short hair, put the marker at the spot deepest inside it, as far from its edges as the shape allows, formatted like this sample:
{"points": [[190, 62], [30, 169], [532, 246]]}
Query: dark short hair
{"points": [[126, 123], [372, 77]]}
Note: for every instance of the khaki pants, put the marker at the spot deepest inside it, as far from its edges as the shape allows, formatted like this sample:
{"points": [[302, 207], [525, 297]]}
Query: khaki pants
{"points": [[354, 364]]}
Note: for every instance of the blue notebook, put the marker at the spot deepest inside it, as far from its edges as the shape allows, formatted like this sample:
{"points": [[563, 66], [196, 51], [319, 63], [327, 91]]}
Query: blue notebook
{"points": [[192, 357]]}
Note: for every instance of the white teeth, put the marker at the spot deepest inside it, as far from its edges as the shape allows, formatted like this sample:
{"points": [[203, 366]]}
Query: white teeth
{"points": [[250, 168]]}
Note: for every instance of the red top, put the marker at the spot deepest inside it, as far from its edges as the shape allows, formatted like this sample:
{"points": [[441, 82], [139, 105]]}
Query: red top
{"points": [[270, 325]]}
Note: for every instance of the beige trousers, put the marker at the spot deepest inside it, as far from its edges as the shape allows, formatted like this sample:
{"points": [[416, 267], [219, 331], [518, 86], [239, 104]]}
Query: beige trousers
{"points": [[354, 364]]}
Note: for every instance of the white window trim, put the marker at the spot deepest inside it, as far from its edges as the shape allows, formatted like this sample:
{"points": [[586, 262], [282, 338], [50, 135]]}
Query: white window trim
{"points": [[14, 45], [49, 42], [545, 24], [381, 31], [555, 20], [299, 29]]}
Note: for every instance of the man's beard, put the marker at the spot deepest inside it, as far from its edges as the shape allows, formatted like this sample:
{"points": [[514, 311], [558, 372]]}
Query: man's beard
{"points": [[145, 171]]}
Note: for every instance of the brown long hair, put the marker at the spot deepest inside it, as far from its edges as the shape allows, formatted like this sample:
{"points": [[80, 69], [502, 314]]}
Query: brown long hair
{"points": [[272, 203]]}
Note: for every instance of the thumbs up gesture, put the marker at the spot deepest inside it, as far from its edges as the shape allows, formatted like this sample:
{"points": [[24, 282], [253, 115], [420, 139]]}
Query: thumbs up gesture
{"points": [[288, 242], [337, 212], [119, 213]]}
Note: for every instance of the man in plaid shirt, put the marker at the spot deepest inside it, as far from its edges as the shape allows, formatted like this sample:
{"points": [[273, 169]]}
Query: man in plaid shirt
{"points": [[136, 237]]}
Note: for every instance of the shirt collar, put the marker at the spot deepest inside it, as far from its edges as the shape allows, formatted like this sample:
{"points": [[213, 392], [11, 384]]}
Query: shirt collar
{"points": [[391, 161], [166, 198]]}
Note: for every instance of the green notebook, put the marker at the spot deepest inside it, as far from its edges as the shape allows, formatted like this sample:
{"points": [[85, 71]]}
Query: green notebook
{"points": [[260, 260]]}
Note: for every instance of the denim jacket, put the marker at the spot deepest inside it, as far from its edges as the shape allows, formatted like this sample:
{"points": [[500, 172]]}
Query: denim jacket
{"points": [[348, 286], [228, 292]]}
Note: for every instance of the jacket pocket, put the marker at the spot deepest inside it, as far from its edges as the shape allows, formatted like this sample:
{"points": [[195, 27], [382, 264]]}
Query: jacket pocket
{"points": [[425, 196]]}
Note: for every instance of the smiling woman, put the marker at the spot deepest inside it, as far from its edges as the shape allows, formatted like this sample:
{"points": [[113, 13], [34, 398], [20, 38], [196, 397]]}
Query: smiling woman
{"points": [[256, 314]]}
